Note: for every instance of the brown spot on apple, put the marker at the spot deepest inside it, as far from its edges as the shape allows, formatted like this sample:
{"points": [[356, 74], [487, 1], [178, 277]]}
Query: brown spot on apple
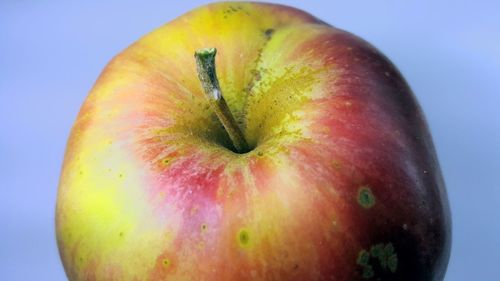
{"points": [[232, 10], [336, 164], [269, 33], [194, 210], [203, 227]]}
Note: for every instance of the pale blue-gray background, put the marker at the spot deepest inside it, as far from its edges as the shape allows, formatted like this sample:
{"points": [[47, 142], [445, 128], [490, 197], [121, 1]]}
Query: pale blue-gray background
{"points": [[51, 52]]}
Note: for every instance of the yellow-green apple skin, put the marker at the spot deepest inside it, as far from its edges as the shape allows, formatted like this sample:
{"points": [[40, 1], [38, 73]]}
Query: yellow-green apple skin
{"points": [[342, 182]]}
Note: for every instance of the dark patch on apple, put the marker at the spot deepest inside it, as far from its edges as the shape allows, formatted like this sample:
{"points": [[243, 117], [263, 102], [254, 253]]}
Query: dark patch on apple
{"points": [[257, 71], [381, 258], [336, 165], [363, 257], [244, 237], [269, 33], [204, 227], [392, 262], [232, 10], [365, 197], [166, 262], [165, 162], [256, 76], [383, 254], [368, 272]]}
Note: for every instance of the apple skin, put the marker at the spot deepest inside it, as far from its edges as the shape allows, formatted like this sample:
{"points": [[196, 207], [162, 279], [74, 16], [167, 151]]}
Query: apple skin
{"points": [[342, 183]]}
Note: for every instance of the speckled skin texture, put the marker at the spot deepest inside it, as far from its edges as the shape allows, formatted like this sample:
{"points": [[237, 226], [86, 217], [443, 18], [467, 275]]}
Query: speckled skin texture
{"points": [[342, 182]]}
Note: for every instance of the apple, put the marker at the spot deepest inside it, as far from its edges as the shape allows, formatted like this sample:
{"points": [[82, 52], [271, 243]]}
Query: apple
{"points": [[298, 152]]}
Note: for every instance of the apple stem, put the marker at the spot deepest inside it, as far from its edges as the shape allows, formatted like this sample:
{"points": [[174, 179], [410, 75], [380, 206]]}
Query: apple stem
{"points": [[205, 65]]}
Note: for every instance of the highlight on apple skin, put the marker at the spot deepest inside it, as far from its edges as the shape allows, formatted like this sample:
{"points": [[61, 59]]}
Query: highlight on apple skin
{"points": [[339, 180]]}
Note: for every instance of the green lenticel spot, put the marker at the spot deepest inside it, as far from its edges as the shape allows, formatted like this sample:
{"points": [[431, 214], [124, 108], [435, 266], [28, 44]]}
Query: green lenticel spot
{"points": [[365, 197], [243, 237]]}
